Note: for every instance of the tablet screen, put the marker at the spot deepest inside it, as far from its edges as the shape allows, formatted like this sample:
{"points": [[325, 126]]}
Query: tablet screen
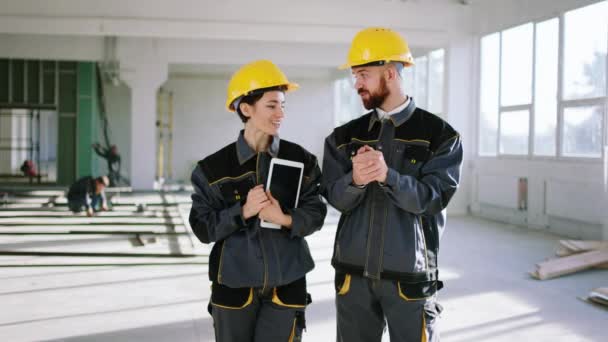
{"points": [[284, 184]]}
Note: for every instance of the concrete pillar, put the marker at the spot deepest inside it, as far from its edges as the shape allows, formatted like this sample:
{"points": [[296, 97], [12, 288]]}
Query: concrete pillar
{"points": [[460, 113], [144, 69]]}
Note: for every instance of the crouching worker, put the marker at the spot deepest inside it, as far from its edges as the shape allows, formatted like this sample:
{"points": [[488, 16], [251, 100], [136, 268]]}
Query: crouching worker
{"points": [[258, 275], [88, 193]]}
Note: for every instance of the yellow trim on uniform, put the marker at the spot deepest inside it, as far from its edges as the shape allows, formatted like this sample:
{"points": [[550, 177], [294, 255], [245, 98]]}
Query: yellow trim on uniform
{"points": [[293, 331], [414, 140], [406, 297], [423, 337], [278, 301], [345, 286], [358, 140], [249, 301], [237, 177], [363, 141]]}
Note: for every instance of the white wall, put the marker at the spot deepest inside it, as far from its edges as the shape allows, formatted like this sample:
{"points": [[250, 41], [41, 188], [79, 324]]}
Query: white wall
{"points": [[202, 124], [459, 71], [118, 109]]}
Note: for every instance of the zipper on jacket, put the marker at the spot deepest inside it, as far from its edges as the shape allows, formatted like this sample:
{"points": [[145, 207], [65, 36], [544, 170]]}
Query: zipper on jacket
{"points": [[257, 171]]}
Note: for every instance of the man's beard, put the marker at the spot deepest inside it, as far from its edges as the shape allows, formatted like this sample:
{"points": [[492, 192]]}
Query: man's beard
{"points": [[376, 99]]}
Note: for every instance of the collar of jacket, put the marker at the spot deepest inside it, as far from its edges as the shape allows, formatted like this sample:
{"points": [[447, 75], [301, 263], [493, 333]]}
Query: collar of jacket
{"points": [[397, 119], [245, 152]]}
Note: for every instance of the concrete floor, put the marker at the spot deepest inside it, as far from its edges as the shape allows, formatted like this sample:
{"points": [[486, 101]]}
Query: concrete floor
{"points": [[488, 294]]}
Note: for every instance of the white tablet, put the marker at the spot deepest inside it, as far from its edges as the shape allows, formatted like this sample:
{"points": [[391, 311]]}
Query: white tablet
{"points": [[284, 179]]}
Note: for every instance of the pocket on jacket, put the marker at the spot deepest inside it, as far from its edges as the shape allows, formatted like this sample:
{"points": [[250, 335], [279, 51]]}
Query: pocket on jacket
{"points": [[236, 190]]}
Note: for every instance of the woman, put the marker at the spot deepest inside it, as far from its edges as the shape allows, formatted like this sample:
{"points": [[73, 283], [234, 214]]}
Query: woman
{"points": [[258, 275]]}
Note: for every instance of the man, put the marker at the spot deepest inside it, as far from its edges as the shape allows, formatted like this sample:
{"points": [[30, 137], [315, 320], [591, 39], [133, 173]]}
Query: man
{"points": [[112, 156], [391, 173], [88, 192]]}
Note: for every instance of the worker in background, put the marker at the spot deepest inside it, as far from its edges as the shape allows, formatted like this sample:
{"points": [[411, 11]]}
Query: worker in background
{"points": [[258, 275], [391, 173], [112, 156], [88, 193], [28, 168]]}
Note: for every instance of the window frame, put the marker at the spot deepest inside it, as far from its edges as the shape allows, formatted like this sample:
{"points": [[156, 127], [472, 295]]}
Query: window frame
{"points": [[562, 103]]}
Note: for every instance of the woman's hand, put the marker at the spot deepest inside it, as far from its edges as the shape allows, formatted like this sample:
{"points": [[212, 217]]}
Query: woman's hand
{"points": [[273, 213], [256, 201]]}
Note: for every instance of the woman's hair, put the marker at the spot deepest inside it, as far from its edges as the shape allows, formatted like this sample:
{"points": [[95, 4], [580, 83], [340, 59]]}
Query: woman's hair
{"points": [[254, 97]]}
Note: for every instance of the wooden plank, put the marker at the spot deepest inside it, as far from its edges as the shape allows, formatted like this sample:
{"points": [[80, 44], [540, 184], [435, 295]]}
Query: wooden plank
{"points": [[569, 264], [570, 247], [582, 245]]}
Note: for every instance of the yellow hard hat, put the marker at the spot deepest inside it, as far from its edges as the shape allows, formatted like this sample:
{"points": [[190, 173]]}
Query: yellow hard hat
{"points": [[378, 44], [254, 76]]}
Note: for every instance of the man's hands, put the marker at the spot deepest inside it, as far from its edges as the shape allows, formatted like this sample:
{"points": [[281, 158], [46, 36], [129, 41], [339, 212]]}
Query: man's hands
{"points": [[265, 206], [369, 166]]}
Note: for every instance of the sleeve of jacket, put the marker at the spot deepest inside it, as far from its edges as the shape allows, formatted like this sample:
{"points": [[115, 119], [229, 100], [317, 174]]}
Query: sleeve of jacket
{"points": [[209, 220], [337, 179], [309, 216], [431, 192]]}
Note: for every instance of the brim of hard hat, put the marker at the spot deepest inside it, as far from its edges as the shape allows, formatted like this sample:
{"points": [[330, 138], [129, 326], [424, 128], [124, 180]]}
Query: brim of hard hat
{"points": [[290, 87], [406, 63]]}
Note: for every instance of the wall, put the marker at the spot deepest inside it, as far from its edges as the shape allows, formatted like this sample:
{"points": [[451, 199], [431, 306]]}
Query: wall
{"points": [[202, 125], [118, 110]]}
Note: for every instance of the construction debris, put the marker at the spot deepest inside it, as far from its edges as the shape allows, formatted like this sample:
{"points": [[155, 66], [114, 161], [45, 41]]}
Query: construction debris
{"points": [[574, 256], [599, 296]]}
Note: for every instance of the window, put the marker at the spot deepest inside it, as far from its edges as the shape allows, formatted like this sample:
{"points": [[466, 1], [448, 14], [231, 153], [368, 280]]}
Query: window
{"points": [[420, 82], [585, 32], [436, 72], [584, 83], [543, 87], [425, 81], [583, 131], [408, 81], [516, 66], [347, 103], [514, 132]]}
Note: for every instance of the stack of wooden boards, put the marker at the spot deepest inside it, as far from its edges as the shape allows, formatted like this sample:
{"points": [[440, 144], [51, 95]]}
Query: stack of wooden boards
{"points": [[575, 256]]}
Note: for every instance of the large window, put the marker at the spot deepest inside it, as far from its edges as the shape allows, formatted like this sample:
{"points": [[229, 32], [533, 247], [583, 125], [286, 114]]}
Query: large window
{"points": [[347, 103], [584, 80], [425, 81], [436, 81], [421, 73], [524, 110]]}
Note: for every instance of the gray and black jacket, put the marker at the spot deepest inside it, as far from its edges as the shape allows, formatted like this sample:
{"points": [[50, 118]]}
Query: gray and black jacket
{"points": [[392, 230], [245, 255]]}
